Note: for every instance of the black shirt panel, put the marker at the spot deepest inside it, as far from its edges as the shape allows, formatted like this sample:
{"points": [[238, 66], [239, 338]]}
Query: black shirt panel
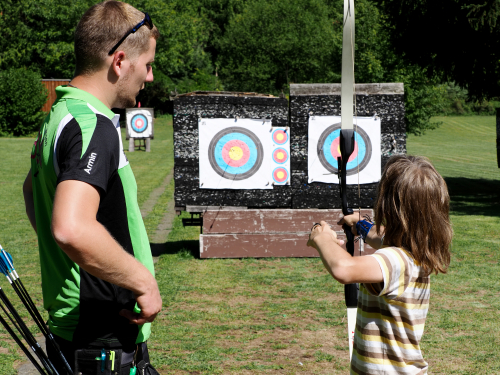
{"points": [[100, 160]]}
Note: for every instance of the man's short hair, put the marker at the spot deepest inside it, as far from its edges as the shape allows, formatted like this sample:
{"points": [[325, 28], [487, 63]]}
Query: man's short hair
{"points": [[101, 27]]}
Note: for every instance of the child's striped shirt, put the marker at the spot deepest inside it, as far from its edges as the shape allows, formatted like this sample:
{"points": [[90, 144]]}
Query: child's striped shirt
{"points": [[391, 318]]}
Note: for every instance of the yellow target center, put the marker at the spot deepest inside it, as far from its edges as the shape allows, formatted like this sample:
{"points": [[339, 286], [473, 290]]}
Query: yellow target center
{"points": [[281, 155], [280, 174], [236, 153], [280, 136]]}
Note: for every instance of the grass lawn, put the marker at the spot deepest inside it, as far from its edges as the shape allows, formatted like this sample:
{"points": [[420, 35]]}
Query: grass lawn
{"points": [[287, 316]]}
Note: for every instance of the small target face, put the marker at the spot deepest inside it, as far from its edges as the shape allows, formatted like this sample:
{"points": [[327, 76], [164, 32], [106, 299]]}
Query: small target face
{"points": [[139, 123], [280, 175], [235, 153], [280, 156], [329, 150], [280, 137]]}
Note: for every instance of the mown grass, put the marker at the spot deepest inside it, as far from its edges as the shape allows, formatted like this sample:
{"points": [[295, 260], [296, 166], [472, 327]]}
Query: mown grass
{"points": [[286, 316], [463, 330], [17, 236]]}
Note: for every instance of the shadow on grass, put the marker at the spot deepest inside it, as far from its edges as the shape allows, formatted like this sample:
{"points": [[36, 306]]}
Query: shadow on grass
{"points": [[177, 247], [474, 196]]}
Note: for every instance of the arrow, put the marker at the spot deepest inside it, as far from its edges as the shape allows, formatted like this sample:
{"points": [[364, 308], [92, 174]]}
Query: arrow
{"points": [[7, 268]]}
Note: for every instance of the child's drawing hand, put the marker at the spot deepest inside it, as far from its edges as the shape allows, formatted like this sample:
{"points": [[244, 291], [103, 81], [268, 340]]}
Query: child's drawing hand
{"points": [[322, 232]]}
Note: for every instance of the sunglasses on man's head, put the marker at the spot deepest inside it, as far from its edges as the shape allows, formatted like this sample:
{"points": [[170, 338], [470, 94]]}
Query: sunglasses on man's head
{"points": [[146, 21]]}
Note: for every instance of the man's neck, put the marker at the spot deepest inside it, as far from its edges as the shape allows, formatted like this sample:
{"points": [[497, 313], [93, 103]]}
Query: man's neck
{"points": [[97, 85]]}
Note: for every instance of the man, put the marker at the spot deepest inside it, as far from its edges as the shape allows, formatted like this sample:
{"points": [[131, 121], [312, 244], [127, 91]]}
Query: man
{"points": [[81, 197]]}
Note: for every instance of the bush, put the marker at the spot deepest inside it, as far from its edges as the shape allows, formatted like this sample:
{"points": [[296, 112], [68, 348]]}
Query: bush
{"points": [[22, 96], [423, 99], [456, 101]]}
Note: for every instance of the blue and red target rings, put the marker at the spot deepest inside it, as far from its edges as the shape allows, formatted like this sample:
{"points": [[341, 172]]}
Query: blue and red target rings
{"points": [[235, 153], [328, 150], [139, 123]]}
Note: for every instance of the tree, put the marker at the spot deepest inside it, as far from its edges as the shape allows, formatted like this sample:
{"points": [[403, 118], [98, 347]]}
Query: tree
{"points": [[273, 43], [457, 40], [22, 94], [38, 35]]}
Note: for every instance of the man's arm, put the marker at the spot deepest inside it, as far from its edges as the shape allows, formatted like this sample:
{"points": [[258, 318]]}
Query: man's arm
{"points": [[88, 243], [342, 266], [28, 200]]}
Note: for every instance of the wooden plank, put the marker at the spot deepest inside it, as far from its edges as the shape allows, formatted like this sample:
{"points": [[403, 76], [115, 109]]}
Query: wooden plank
{"points": [[298, 89], [51, 85], [270, 220], [202, 209], [287, 245]]}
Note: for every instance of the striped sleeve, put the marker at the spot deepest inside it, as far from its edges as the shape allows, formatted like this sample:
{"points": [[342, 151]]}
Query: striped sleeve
{"points": [[397, 271]]}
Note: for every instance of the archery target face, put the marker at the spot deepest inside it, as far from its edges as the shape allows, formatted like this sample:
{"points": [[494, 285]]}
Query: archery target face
{"points": [[280, 175], [328, 150], [235, 154], [280, 136], [140, 122], [281, 156], [324, 149]]}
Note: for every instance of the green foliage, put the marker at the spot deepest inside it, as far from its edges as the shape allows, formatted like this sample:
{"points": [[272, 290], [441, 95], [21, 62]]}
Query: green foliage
{"points": [[464, 50], [39, 34], [271, 44], [456, 102], [263, 46], [21, 97], [423, 99]]}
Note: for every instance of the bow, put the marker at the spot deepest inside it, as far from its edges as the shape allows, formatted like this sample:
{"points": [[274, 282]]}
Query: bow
{"points": [[346, 150]]}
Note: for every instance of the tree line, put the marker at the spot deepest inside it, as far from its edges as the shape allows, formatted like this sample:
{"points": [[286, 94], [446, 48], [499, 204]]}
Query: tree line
{"points": [[265, 45]]}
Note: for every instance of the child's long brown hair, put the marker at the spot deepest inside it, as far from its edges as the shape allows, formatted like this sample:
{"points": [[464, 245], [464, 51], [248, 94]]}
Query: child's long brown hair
{"points": [[413, 205]]}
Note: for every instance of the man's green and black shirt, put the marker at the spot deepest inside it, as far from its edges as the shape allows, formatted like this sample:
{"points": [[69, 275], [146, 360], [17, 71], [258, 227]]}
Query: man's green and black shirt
{"points": [[81, 140]]}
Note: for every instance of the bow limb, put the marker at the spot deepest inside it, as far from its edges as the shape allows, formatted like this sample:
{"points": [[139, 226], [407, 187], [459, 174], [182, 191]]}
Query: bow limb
{"points": [[346, 150]]}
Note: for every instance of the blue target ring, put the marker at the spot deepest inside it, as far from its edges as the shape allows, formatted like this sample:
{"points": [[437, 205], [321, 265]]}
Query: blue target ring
{"points": [[219, 150], [329, 150], [139, 123], [235, 153]]}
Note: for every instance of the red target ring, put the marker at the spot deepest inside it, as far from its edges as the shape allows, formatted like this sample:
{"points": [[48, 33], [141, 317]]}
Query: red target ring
{"points": [[236, 153], [280, 137], [280, 155], [280, 175], [335, 149]]}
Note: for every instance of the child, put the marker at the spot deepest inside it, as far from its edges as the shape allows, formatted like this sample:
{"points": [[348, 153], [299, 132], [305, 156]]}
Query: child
{"points": [[413, 232]]}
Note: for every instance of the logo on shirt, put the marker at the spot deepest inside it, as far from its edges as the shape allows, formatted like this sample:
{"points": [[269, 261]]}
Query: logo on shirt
{"points": [[91, 162]]}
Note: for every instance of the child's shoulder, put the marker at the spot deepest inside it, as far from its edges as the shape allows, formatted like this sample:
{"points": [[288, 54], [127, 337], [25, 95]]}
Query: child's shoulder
{"points": [[396, 256], [399, 269]]}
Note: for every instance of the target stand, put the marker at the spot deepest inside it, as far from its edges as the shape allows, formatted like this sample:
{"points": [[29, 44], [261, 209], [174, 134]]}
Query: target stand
{"points": [[235, 232], [240, 218], [139, 128]]}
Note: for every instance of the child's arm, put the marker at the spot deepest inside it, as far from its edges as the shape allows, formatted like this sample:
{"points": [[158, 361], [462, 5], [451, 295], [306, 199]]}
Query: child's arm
{"points": [[343, 267], [373, 239]]}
